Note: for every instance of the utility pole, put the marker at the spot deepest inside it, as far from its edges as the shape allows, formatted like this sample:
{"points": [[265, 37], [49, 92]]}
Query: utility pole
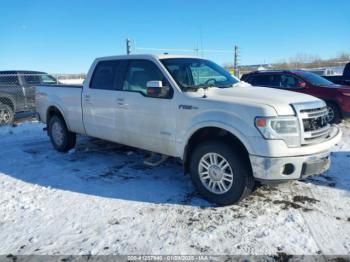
{"points": [[128, 46], [235, 61]]}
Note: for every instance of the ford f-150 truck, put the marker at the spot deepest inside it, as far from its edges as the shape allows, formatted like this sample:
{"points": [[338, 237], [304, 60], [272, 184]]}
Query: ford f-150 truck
{"points": [[227, 133]]}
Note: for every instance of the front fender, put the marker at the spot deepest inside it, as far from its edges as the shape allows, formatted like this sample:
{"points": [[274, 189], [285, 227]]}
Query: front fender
{"points": [[239, 128]]}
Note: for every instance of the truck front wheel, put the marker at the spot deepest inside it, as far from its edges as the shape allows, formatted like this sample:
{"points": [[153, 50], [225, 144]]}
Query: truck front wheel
{"points": [[61, 138], [220, 174]]}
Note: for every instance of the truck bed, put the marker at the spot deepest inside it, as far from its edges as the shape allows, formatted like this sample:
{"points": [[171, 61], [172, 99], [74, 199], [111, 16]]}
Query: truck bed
{"points": [[67, 98]]}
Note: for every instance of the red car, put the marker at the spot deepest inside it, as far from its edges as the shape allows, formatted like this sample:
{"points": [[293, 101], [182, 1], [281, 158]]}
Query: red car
{"points": [[337, 97]]}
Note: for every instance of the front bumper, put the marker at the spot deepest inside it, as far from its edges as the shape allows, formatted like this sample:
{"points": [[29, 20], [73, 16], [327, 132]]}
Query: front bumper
{"points": [[289, 168], [293, 167]]}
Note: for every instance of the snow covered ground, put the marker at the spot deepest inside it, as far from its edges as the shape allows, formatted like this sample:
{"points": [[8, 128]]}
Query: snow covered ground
{"points": [[101, 199], [72, 81]]}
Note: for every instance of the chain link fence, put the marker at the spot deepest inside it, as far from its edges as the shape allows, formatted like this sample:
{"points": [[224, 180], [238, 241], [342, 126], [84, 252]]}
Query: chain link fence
{"points": [[17, 92]]}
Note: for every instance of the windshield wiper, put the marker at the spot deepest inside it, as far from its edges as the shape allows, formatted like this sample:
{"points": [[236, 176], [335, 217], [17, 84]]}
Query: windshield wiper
{"points": [[196, 87]]}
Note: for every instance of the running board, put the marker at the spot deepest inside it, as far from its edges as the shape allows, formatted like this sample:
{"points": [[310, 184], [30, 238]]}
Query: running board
{"points": [[155, 159]]}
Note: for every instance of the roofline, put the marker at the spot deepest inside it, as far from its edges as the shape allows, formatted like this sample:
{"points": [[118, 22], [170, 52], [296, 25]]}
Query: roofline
{"points": [[278, 71], [22, 71], [145, 56]]}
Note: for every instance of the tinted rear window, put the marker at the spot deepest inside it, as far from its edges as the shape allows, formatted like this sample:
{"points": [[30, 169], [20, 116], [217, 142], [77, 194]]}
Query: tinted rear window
{"points": [[105, 75], [264, 80], [32, 79], [7, 79]]}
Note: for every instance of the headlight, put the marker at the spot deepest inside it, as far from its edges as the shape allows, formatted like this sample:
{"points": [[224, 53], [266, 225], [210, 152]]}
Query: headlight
{"points": [[282, 128]]}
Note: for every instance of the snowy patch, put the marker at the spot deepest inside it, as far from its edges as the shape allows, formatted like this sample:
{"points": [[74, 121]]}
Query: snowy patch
{"points": [[100, 199]]}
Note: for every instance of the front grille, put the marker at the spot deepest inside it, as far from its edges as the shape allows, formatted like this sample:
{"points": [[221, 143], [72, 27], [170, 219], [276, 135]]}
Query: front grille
{"points": [[315, 123], [313, 119]]}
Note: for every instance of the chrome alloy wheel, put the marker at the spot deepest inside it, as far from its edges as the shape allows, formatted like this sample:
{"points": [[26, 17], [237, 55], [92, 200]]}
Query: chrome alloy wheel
{"points": [[215, 173], [57, 133], [5, 116]]}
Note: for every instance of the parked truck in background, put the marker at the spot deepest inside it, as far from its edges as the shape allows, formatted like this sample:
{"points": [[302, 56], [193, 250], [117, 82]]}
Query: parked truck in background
{"points": [[343, 79], [227, 133], [17, 92]]}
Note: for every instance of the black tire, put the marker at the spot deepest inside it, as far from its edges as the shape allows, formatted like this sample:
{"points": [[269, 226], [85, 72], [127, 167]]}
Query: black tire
{"points": [[334, 117], [68, 139], [7, 115], [243, 182]]}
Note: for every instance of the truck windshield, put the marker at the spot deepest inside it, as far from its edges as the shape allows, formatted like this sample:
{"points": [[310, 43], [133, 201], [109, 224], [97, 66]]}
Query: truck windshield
{"points": [[195, 73], [39, 78], [315, 79]]}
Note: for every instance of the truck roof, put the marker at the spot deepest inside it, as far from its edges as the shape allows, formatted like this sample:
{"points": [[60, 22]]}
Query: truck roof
{"points": [[144, 56], [295, 71], [21, 72]]}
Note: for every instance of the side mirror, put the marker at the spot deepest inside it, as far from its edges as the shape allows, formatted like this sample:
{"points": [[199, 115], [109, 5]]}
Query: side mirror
{"points": [[156, 89], [301, 84], [154, 84]]}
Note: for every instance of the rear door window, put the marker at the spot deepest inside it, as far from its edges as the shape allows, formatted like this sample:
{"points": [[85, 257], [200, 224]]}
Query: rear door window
{"points": [[106, 75], [9, 80], [269, 80], [33, 79]]}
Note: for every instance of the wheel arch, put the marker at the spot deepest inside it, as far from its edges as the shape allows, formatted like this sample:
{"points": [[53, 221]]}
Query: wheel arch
{"points": [[336, 104], [215, 132], [8, 101], [52, 111]]}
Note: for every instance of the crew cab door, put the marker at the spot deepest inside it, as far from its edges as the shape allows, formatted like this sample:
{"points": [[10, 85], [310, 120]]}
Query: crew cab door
{"points": [[148, 122], [99, 102]]}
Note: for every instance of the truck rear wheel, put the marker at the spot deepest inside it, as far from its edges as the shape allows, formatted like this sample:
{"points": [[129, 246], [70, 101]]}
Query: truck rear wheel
{"points": [[6, 114], [220, 174], [61, 138]]}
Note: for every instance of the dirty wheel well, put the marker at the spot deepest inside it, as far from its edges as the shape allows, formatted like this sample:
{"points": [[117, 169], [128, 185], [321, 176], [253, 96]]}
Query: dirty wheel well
{"points": [[214, 133], [52, 111], [335, 104]]}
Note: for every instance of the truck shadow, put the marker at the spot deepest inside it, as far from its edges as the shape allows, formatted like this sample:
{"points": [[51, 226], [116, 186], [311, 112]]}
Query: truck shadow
{"points": [[100, 168]]}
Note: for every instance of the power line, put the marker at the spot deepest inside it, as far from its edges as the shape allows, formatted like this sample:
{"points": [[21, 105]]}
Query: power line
{"points": [[185, 50]]}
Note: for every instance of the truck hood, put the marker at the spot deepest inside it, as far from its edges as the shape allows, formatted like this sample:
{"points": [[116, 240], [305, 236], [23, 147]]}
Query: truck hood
{"points": [[280, 100]]}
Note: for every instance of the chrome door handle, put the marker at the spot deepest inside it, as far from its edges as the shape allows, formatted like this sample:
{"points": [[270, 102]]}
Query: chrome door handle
{"points": [[87, 98], [120, 101]]}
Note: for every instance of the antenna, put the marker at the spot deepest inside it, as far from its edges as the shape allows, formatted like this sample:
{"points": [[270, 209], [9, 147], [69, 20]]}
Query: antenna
{"points": [[235, 60], [128, 46]]}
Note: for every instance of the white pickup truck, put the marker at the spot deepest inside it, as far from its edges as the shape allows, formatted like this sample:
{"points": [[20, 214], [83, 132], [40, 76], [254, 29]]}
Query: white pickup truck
{"points": [[227, 133]]}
